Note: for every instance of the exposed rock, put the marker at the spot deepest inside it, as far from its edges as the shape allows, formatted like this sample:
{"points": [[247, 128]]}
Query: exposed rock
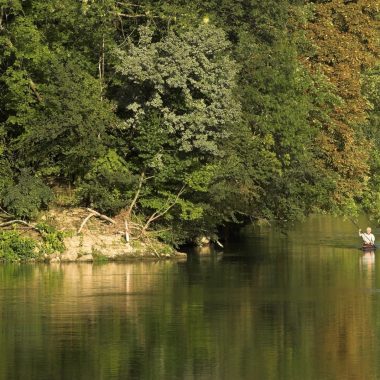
{"points": [[180, 255], [128, 248], [69, 256], [86, 258], [72, 243], [102, 240], [55, 260]]}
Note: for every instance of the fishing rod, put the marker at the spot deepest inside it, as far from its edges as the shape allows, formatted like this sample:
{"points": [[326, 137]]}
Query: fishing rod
{"points": [[354, 223]]}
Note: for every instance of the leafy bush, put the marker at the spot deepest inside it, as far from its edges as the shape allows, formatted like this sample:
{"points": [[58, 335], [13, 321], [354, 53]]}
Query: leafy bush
{"points": [[14, 247], [108, 184], [27, 196], [5, 177], [52, 239]]}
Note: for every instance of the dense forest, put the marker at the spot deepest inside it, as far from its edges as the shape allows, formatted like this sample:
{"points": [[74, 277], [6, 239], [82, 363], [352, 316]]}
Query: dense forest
{"points": [[190, 116]]}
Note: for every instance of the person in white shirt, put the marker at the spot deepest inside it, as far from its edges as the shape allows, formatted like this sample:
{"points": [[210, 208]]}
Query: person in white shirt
{"points": [[368, 237]]}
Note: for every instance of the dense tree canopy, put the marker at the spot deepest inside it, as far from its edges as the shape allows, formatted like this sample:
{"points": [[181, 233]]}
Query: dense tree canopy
{"points": [[345, 37], [190, 115]]}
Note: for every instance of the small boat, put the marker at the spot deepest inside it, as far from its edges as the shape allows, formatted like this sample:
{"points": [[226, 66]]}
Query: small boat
{"points": [[368, 247]]}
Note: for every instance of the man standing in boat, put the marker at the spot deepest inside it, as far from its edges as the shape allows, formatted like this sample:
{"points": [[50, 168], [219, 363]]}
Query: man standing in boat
{"points": [[368, 237]]}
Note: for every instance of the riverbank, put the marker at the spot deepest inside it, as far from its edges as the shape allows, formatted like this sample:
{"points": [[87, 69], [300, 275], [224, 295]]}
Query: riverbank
{"points": [[79, 235]]}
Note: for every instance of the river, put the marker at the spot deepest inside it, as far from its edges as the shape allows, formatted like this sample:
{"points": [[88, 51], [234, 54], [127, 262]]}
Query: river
{"points": [[305, 305]]}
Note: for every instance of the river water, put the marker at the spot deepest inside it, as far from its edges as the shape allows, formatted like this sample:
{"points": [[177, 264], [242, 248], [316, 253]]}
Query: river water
{"points": [[300, 306]]}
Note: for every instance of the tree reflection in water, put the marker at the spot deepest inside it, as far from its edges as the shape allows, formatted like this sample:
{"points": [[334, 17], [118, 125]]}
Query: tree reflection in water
{"points": [[271, 308]]}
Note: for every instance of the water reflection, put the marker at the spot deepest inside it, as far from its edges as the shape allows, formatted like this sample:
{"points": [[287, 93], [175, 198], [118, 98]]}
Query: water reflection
{"points": [[368, 261], [269, 308], [367, 267]]}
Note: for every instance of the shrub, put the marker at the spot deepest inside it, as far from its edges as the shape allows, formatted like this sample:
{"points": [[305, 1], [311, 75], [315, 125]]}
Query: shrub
{"points": [[14, 247], [27, 196], [107, 185], [52, 239]]}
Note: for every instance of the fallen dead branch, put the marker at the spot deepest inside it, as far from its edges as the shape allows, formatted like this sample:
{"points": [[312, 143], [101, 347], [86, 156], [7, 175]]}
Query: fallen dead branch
{"points": [[90, 215], [101, 216], [16, 221], [219, 243], [19, 221], [126, 231]]}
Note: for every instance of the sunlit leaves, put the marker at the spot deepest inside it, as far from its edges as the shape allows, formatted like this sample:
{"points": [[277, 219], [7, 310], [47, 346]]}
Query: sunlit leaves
{"points": [[345, 36], [187, 79]]}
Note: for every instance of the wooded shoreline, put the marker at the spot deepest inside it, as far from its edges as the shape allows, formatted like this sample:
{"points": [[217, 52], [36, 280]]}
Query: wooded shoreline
{"points": [[177, 119]]}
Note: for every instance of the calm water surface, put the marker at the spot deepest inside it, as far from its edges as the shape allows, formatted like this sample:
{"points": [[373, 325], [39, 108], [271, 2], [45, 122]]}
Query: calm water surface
{"points": [[302, 306]]}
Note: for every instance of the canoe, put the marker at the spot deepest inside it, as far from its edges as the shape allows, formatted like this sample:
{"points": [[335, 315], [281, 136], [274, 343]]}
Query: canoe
{"points": [[366, 247]]}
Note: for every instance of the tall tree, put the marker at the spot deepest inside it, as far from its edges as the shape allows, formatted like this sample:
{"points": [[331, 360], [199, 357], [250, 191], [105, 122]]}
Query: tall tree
{"points": [[371, 90], [345, 39], [175, 95]]}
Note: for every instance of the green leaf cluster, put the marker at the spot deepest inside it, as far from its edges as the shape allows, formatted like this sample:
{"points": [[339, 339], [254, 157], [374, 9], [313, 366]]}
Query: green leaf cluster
{"points": [[107, 185], [26, 196], [14, 247], [52, 239]]}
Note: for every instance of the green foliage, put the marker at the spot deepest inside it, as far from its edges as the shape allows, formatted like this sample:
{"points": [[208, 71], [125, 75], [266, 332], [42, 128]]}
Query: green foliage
{"points": [[25, 197], [371, 89], [230, 111], [52, 239], [14, 247], [55, 112], [99, 257], [68, 131], [200, 180], [188, 80], [107, 185], [268, 169], [6, 179], [178, 101]]}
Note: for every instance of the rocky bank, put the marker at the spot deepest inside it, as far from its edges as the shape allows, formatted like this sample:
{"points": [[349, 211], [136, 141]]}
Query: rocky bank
{"points": [[100, 240]]}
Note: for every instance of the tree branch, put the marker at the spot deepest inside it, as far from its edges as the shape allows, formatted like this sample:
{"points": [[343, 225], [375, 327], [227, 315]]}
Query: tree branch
{"points": [[19, 221], [129, 4], [94, 213], [137, 194], [124, 15], [6, 212], [34, 89], [158, 214], [101, 216], [88, 217], [126, 231]]}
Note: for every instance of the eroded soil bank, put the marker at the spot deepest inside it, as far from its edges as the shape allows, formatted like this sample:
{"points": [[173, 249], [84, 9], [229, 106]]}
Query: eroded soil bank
{"points": [[88, 238]]}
